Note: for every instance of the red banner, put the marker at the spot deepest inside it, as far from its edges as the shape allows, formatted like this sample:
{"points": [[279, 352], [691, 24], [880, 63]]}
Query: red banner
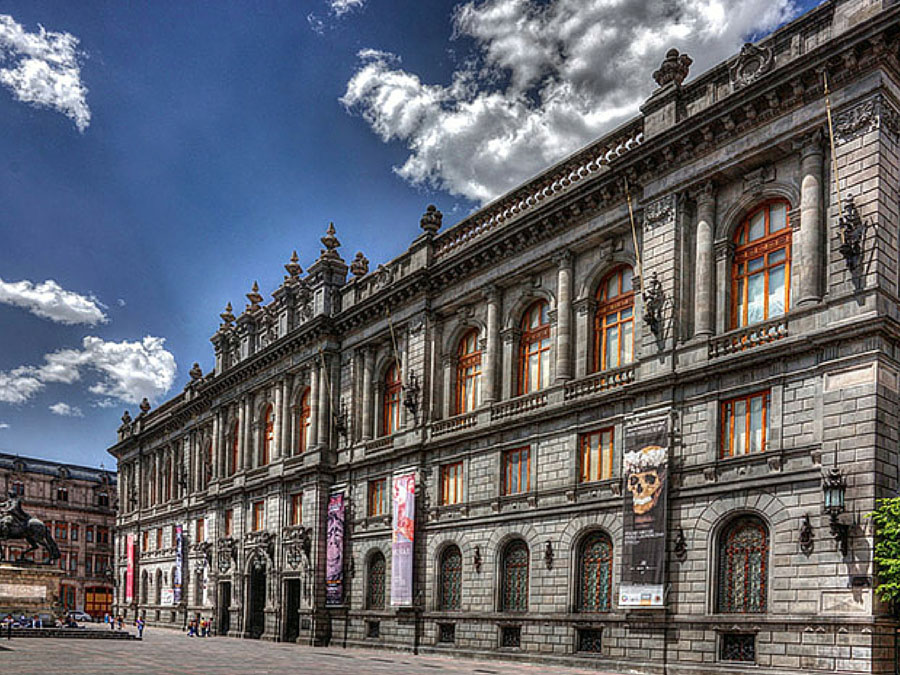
{"points": [[129, 571]]}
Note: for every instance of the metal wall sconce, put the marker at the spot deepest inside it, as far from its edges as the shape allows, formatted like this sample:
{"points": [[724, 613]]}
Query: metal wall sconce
{"points": [[548, 555], [340, 420], [680, 545], [851, 229], [411, 394], [476, 560], [835, 488], [806, 536], [654, 298]]}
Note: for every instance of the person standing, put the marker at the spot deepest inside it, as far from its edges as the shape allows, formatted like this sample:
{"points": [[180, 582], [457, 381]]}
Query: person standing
{"points": [[140, 627]]}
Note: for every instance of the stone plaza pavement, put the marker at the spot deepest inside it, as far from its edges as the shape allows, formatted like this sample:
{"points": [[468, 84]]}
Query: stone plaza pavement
{"points": [[166, 651]]}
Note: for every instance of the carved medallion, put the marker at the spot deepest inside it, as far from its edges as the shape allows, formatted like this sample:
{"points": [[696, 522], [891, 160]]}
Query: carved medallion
{"points": [[752, 64]]}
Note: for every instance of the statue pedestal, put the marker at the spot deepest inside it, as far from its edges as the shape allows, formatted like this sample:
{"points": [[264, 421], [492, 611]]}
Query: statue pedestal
{"points": [[29, 589]]}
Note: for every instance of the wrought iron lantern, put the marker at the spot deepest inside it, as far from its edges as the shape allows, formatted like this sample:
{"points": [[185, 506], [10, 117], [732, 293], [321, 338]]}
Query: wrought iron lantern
{"points": [[411, 394], [835, 487], [851, 229], [654, 299]]}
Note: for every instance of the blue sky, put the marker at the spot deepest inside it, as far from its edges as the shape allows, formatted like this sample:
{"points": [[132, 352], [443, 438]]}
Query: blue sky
{"points": [[158, 157]]}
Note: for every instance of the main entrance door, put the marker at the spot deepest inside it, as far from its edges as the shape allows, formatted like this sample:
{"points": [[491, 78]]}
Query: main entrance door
{"points": [[257, 618], [291, 609], [224, 607]]}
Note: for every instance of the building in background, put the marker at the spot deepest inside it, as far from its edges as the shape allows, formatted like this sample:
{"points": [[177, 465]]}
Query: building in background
{"points": [[78, 504], [551, 432]]}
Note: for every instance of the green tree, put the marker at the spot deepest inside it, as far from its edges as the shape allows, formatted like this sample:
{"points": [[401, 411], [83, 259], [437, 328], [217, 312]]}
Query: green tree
{"points": [[886, 517]]}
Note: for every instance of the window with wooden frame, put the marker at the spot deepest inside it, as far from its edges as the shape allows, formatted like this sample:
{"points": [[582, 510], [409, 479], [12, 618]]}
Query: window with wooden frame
{"points": [[159, 538], [760, 271], [145, 539], [229, 522], [235, 446], [516, 471], [89, 534], [614, 320], [296, 508], [745, 422], [259, 516], [18, 488], [201, 530], [303, 417], [390, 422], [74, 532], [534, 352], [268, 443], [596, 455], [452, 483], [102, 535], [468, 374], [378, 497]]}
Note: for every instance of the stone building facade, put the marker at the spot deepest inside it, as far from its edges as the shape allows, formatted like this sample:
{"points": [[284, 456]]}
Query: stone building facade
{"points": [[505, 360], [78, 504]]}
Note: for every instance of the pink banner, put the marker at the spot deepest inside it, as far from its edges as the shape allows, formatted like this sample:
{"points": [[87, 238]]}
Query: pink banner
{"points": [[334, 551], [404, 494], [129, 571]]}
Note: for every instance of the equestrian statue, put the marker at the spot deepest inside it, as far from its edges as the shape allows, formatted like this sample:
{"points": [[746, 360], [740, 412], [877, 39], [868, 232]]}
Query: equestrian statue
{"points": [[16, 523]]}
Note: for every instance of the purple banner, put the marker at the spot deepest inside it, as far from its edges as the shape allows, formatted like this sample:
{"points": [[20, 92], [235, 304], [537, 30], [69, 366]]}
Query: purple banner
{"points": [[334, 550], [179, 564], [404, 493]]}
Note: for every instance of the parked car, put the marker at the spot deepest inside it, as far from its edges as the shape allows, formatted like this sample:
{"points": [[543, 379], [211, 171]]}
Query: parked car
{"points": [[78, 615]]}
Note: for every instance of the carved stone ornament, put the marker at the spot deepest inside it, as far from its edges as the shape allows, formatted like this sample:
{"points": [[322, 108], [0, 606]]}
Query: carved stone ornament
{"points": [[431, 219], [865, 117], [195, 372], [227, 554], [360, 265], [660, 211], [331, 243], [145, 406], [752, 64], [807, 536], [254, 297], [674, 68], [227, 316], [293, 267]]}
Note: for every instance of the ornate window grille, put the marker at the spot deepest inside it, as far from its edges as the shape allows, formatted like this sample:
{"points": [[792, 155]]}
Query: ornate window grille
{"points": [[760, 272], [534, 358], [514, 590], [468, 374], [743, 567], [614, 320], [595, 563], [737, 647], [451, 578], [392, 390], [375, 582]]}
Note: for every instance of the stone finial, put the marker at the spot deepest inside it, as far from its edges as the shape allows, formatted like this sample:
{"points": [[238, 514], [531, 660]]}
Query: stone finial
{"points": [[360, 265], [126, 418], [228, 315], [254, 297], [145, 406], [330, 242], [293, 267], [431, 219], [195, 372], [674, 68]]}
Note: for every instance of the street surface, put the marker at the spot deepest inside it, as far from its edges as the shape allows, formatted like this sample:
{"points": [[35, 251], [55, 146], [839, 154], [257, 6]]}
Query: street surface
{"points": [[166, 652]]}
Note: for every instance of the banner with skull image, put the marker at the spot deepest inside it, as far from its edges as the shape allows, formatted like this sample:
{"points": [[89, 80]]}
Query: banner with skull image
{"points": [[645, 466]]}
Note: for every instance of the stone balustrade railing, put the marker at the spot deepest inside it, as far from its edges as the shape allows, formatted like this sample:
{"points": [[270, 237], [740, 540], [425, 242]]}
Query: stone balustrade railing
{"points": [[380, 444], [599, 382], [748, 337], [519, 405], [464, 421]]}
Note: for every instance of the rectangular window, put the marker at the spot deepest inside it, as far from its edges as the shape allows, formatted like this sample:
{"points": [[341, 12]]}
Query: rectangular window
{"points": [[259, 516], [229, 522], [452, 483], [102, 535], [511, 637], [145, 543], [73, 563], [201, 530], [590, 640], [89, 535], [88, 565], [737, 647], [102, 499], [447, 633], [74, 533], [61, 531], [63, 557], [62, 494], [18, 488], [597, 455], [297, 508], [378, 497], [159, 538], [745, 425], [516, 471]]}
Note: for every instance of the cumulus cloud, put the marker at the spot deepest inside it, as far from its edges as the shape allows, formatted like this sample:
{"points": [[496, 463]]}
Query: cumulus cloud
{"points": [[43, 70], [341, 7], [49, 300], [126, 371], [66, 410], [545, 78], [4, 425]]}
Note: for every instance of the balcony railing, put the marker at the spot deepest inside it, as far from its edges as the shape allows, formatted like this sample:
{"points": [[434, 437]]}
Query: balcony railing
{"points": [[380, 444], [597, 382], [464, 421], [748, 337], [519, 405]]}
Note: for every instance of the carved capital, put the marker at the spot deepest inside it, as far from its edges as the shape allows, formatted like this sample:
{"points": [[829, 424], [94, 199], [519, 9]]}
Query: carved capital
{"points": [[510, 335], [585, 306], [724, 248], [811, 143], [564, 259], [704, 193], [492, 294]]}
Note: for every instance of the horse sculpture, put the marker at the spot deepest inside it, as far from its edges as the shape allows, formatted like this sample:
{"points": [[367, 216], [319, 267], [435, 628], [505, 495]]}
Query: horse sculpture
{"points": [[15, 523]]}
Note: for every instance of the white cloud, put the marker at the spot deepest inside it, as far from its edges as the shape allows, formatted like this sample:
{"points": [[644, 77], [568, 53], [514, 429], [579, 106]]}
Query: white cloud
{"points": [[66, 410], [44, 69], [341, 7], [547, 77], [126, 371], [49, 300], [105, 403], [4, 425]]}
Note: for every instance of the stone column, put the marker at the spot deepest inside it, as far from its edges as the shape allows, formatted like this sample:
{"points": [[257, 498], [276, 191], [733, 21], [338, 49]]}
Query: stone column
{"points": [[564, 317], [492, 346], [723, 254], [313, 431], [324, 386], [284, 441], [216, 447], [279, 420], [244, 424], [448, 362], [704, 288], [368, 372], [510, 362], [584, 315], [811, 236]]}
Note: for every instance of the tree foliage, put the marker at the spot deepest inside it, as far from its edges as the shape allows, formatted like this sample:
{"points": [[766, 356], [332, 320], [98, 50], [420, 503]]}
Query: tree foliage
{"points": [[887, 548]]}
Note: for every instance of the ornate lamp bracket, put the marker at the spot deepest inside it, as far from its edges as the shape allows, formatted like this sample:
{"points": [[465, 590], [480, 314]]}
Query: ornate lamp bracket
{"points": [[852, 231], [654, 298]]}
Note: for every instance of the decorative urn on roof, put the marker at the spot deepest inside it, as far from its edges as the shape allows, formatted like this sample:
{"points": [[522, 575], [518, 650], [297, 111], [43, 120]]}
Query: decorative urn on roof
{"points": [[674, 68], [431, 219]]}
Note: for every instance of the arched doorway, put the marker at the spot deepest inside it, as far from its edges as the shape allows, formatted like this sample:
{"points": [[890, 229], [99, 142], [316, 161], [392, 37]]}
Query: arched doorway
{"points": [[256, 602], [224, 607]]}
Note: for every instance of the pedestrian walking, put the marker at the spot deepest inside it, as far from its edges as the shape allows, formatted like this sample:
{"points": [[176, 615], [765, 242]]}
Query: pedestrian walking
{"points": [[140, 627]]}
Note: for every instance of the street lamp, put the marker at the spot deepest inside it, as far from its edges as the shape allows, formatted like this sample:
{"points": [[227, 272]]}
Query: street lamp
{"points": [[835, 488]]}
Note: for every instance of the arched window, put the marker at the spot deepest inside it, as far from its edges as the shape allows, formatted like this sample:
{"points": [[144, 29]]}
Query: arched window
{"points": [[159, 586], [595, 573], [235, 446], [742, 580], [268, 442], [391, 405], [760, 273], [614, 320], [375, 582], [451, 578], [468, 374], [514, 578], [303, 423], [534, 359]]}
